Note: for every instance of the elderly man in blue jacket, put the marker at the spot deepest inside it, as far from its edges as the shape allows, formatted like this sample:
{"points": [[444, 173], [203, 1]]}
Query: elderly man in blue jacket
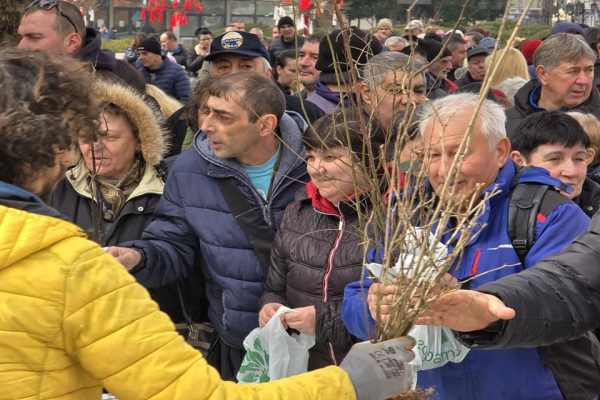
{"points": [[525, 373], [246, 135], [168, 76]]}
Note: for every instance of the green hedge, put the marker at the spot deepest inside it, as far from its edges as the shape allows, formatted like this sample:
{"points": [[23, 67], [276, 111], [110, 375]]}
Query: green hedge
{"points": [[528, 31], [117, 45]]}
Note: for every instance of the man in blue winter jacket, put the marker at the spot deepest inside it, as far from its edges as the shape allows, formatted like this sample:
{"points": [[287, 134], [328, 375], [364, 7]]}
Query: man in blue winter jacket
{"points": [[246, 135], [168, 76], [524, 373]]}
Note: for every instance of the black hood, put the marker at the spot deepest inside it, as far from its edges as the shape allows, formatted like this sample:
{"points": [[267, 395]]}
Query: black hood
{"points": [[597, 72], [589, 199], [92, 53], [522, 97]]}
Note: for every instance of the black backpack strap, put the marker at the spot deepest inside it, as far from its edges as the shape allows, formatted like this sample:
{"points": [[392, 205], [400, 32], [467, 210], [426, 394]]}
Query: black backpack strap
{"points": [[257, 231], [525, 202], [529, 201]]}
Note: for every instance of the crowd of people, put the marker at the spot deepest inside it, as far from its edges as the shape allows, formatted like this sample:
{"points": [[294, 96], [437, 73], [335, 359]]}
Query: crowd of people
{"points": [[222, 182]]}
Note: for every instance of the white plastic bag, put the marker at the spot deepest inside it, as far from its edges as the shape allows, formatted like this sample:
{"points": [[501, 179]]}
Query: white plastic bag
{"points": [[271, 353], [436, 346]]}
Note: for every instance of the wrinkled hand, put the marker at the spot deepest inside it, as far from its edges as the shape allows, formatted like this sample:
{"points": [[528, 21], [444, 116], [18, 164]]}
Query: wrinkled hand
{"points": [[385, 301], [466, 310], [303, 321], [446, 283], [380, 370], [267, 312], [130, 258]]}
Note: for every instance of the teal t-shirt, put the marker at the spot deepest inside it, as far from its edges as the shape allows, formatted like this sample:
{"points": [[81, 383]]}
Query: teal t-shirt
{"points": [[261, 175]]}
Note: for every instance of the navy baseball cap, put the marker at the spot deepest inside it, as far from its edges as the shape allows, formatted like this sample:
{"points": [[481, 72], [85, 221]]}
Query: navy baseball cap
{"points": [[567, 27], [244, 43]]}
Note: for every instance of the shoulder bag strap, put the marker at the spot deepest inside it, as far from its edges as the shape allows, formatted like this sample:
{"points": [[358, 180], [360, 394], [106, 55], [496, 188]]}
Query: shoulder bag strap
{"points": [[257, 231]]}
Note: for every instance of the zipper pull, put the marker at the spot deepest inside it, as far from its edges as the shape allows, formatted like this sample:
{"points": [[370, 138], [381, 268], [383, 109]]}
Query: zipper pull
{"points": [[341, 224]]}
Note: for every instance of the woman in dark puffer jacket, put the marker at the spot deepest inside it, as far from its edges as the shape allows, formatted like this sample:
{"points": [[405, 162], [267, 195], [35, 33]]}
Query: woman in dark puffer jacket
{"points": [[317, 250]]}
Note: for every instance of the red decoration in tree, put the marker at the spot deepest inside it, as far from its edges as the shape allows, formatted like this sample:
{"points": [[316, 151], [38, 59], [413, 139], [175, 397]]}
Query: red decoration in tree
{"points": [[198, 7], [175, 4], [187, 6], [304, 5], [143, 16]]}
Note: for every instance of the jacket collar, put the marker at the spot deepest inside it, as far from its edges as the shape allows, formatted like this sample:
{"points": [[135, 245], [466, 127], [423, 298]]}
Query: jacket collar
{"points": [[589, 199], [92, 52], [346, 207], [319, 202], [12, 192], [150, 183], [527, 98], [21, 199]]}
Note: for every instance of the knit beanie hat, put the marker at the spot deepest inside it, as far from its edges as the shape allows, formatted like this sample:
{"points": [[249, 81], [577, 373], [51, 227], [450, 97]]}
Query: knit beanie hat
{"points": [[433, 48], [528, 49], [363, 46], [433, 36], [488, 43], [414, 24], [151, 45], [385, 22], [285, 21]]}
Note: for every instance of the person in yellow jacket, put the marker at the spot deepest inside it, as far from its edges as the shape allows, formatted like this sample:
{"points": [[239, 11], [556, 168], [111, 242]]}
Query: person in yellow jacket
{"points": [[72, 319]]}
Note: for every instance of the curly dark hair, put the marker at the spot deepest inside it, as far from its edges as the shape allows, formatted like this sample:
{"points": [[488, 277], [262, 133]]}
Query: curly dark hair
{"points": [[46, 104], [199, 97]]}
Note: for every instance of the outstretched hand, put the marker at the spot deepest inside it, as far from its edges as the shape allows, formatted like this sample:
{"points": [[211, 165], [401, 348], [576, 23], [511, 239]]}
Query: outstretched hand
{"points": [[466, 310], [130, 258]]}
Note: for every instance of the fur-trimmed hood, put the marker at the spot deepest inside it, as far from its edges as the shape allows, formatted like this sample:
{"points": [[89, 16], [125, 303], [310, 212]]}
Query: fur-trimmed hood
{"points": [[150, 126]]}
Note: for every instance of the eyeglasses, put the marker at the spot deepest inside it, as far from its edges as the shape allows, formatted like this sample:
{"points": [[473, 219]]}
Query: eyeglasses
{"points": [[48, 5]]}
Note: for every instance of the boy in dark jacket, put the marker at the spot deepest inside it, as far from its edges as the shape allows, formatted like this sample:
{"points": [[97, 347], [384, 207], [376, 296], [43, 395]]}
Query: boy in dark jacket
{"points": [[169, 77]]}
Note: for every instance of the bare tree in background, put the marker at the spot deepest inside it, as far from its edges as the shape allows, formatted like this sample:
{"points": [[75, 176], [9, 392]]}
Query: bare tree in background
{"points": [[10, 16]]}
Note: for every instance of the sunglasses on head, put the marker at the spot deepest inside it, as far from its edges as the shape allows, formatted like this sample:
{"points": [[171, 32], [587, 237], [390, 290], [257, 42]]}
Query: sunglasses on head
{"points": [[48, 5]]}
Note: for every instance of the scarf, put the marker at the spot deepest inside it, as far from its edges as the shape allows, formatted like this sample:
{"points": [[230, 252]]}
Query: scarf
{"points": [[333, 97], [113, 195]]}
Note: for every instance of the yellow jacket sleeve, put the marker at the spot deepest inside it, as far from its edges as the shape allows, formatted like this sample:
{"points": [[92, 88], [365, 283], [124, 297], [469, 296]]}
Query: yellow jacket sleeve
{"points": [[117, 333]]}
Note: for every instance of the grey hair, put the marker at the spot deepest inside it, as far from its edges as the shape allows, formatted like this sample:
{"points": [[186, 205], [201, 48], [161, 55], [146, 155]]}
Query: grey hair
{"points": [[510, 87], [562, 47], [454, 40], [377, 67], [256, 30], [393, 40], [266, 65], [491, 117]]}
